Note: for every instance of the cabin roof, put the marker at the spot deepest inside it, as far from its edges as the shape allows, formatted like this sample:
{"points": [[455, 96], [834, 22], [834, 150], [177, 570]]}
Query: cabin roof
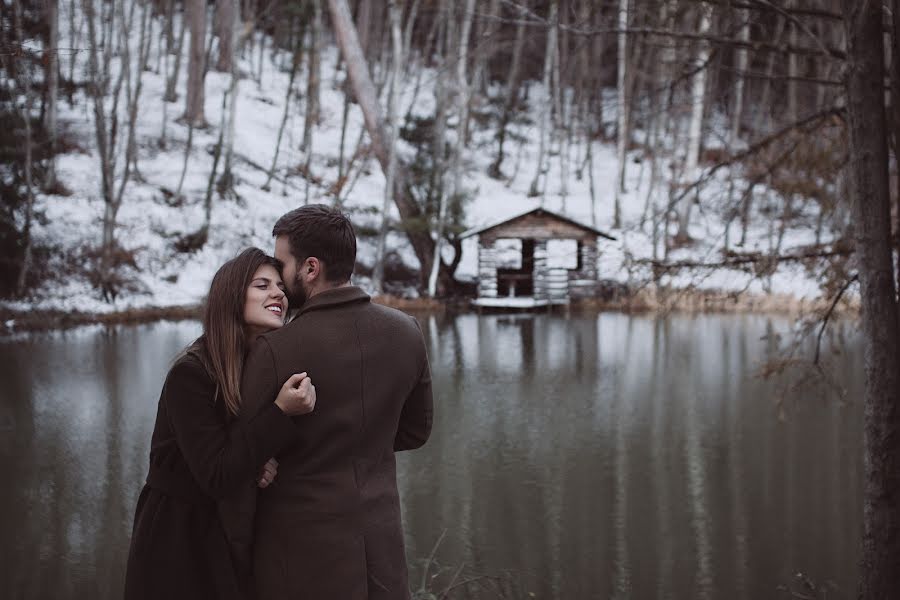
{"points": [[540, 211]]}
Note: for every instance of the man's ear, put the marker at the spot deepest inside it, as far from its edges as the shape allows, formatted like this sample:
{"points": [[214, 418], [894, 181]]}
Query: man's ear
{"points": [[311, 269]]}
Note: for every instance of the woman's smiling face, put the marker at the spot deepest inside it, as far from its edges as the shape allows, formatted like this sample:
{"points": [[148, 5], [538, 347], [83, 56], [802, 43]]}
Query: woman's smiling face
{"points": [[266, 304]]}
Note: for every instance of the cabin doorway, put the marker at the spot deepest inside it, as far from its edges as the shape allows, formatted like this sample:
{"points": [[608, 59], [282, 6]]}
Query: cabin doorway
{"points": [[518, 282]]}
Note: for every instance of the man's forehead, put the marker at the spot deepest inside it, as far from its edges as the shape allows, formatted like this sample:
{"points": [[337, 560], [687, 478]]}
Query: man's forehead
{"points": [[282, 244]]}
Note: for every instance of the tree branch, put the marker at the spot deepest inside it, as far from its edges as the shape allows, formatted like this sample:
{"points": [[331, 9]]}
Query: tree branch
{"points": [[828, 316]]}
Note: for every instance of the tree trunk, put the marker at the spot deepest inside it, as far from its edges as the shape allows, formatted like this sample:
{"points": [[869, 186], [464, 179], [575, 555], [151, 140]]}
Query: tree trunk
{"points": [[879, 575], [485, 45], [226, 182], [463, 90], [792, 71], [509, 104], [552, 20], [761, 118], [193, 108], [561, 110], [295, 63], [895, 105], [364, 90], [74, 38], [622, 112], [26, 86], [312, 88], [437, 175], [52, 79], [394, 122], [741, 62], [171, 94], [695, 129], [134, 95], [226, 14]]}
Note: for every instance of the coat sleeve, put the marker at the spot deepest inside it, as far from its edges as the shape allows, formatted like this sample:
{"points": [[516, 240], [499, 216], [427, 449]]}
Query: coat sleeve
{"points": [[259, 388], [416, 416], [220, 456]]}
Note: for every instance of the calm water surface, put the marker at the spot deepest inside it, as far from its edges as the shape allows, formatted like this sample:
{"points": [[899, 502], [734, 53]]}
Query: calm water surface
{"points": [[594, 456]]}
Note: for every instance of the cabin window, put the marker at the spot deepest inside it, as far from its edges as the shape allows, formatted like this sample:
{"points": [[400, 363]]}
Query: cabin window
{"points": [[509, 253], [562, 254]]}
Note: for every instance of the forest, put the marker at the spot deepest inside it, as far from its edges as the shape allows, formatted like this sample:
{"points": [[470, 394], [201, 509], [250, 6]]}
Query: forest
{"points": [[738, 144], [709, 135]]}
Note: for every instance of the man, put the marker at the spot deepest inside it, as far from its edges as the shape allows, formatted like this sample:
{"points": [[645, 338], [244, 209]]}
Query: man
{"points": [[329, 528]]}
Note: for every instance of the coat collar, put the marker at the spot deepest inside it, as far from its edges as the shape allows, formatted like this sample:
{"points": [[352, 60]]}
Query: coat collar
{"points": [[334, 297]]}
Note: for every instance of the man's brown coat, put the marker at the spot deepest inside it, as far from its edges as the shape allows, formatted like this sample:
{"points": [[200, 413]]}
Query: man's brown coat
{"points": [[329, 527]]}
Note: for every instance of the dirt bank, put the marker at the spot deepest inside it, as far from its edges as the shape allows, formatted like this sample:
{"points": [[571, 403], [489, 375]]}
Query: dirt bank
{"points": [[646, 300]]}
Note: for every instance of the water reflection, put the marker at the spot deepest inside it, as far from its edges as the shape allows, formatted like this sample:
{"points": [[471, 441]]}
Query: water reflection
{"points": [[573, 457]]}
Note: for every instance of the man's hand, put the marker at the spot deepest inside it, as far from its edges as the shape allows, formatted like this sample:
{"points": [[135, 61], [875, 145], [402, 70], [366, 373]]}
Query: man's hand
{"points": [[297, 395], [267, 473]]}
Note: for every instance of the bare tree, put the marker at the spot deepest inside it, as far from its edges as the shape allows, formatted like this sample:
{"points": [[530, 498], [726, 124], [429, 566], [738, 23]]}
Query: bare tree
{"points": [[879, 577], [314, 55], [193, 109], [741, 62], [289, 93], [106, 129], [25, 84], [395, 9], [510, 98], [52, 79], [226, 18], [364, 90], [695, 128], [462, 111], [621, 111], [552, 29], [173, 48]]}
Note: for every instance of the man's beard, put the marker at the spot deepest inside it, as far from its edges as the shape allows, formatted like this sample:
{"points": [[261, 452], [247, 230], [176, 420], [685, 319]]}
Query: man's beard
{"points": [[296, 294]]}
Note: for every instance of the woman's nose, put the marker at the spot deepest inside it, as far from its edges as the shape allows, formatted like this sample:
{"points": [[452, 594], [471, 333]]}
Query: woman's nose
{"points": [[277, 293]]}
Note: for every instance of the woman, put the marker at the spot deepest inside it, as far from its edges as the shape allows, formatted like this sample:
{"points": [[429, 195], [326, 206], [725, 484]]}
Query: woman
{"points": [[199, 454]]}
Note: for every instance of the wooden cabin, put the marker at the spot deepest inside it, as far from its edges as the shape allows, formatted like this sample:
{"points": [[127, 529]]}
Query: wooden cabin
{"points": [[534, 259]]}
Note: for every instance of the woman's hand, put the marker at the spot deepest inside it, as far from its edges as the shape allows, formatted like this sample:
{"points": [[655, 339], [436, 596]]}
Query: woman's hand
{"points": [[267, 473], [297, 396]]}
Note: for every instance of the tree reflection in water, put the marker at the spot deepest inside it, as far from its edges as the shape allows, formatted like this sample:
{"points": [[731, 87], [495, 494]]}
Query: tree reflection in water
{"points": [[579, 456]]}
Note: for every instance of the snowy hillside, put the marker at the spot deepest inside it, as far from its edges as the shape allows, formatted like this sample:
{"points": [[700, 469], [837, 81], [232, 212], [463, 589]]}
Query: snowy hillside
{"points": [[148, 223]]}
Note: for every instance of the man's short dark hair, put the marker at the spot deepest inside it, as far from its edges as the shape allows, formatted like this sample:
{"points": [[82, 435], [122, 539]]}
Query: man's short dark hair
{"points": [[323, 232]]}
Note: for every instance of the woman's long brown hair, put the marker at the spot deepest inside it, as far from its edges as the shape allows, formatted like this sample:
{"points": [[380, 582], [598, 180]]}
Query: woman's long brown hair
{"points": [[223, 345]]}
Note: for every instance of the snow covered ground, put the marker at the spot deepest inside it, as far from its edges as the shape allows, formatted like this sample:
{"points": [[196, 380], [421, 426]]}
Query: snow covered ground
{"points": [[148, 225]]}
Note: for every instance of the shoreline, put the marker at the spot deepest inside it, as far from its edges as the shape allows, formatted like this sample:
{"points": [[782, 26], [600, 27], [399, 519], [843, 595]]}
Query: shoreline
{"points": [[661, 301]]}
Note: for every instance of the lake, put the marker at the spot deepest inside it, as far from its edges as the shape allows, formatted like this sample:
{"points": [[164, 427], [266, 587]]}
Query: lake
{"points": [[581, 456]]}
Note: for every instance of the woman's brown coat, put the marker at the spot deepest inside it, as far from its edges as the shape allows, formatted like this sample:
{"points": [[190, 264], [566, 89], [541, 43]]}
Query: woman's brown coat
{"points": [[329, 527], [197, 457]]}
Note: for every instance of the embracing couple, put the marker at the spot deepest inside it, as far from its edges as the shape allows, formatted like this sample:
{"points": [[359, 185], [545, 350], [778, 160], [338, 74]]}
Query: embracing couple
{"points": [[272, 471]]}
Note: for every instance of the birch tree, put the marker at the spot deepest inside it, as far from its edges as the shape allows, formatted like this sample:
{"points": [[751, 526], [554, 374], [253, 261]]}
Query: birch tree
{"points": [[394, 10], [695, 126], [621, 111], [543, 115], [462, 110]]}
